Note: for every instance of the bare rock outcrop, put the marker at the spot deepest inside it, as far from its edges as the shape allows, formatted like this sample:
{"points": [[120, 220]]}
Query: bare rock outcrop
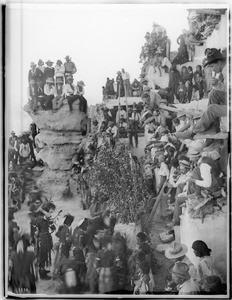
{"points": [[60, 134]]}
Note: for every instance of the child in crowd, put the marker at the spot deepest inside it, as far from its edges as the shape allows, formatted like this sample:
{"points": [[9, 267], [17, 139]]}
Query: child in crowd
{"points": [[195, 93]]}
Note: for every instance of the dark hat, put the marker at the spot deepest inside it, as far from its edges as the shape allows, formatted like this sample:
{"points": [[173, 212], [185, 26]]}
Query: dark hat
{"points": [[213, 55], [67, 57], [144, 266]]}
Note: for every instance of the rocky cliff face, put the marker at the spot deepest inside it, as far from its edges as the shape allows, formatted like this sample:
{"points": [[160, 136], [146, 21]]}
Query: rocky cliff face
{"points": [[60, 134]]}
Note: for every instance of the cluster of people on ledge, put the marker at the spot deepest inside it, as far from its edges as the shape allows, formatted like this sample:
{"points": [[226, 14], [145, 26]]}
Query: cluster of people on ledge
{"points": [[121, 87], [49, 87]]}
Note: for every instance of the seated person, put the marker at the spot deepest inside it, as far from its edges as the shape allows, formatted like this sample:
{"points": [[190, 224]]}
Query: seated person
{"points": [[70, 91], [49, 91], [59, 95], [136, 89]]}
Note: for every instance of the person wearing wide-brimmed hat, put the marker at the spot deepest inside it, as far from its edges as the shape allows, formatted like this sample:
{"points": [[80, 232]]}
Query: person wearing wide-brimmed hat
{"points": [[49, 70], [181, 277], [34, 73], [59, 70], [205, 176], [70, 91], [50, 92], [41, 65], [217, 105], [177, 252], [70, 67], [80, 92]]}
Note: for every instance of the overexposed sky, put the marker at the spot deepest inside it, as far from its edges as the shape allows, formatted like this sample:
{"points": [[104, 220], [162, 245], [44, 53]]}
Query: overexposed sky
{"points": [[100, 38]]}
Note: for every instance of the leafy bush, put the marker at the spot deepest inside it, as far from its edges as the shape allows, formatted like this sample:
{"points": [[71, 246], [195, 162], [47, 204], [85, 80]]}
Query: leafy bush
{"points": [[114, 177]]}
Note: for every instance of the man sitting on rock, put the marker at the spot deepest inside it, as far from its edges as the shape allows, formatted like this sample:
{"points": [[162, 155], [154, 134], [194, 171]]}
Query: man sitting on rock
{"points": [[70, 92], [49, 91]]}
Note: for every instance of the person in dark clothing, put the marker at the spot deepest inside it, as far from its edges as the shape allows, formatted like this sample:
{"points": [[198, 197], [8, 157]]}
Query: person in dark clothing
{"points": [[49, 71], [35, 73], [182, 56], [80, 92], [13, 230], [34, 132], [23, 268], [120, 86], [45, 244], [174, 80]]}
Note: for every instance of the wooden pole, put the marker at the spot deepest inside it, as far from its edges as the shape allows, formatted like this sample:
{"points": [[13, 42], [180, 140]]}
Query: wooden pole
{"points": [[127, 118], [117, 121]]}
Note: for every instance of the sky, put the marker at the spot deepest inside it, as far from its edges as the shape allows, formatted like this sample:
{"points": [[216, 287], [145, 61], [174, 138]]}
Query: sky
{"points": [[101, 39]]}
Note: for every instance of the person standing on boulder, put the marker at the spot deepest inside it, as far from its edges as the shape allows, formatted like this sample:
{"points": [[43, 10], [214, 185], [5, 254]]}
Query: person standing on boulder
{"points": [[70, 67], [126, 82]]}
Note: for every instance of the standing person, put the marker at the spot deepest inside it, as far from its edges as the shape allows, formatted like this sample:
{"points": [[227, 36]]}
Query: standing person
{"points": [[188, 93], [41, 65], [59, 71], [45, 243], [120, 87], [80, 92], [16, 150], [200, 85], [49, 91], [23, 268], [174, 79], [182, 56], [70, 67], [34, 132], [49, 71], [13, 230], [205, 263], [185, 284], [195, 93], [106, 258], [126, 83], [70, 91], [32, 92], [34, 73], [64, 234]]}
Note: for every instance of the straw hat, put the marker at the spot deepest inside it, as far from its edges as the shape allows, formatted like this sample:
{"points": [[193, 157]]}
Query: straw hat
{"points": [[181, 114], [40, 62], [81, 83], [176, 250], [32, 64], [49, 62], [192, 152]]}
